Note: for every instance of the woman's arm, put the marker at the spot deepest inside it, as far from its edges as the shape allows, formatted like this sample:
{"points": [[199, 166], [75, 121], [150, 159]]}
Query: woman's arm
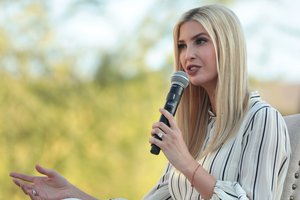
{"points": [[264, 159], [265, 155]]}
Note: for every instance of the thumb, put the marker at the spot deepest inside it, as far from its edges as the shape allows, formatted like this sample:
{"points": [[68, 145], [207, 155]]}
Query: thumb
{"points": [[48, 172]]}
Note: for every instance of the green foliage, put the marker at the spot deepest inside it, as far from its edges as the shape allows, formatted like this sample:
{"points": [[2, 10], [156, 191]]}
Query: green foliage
{"points": [[96, 132], [95, 135]]}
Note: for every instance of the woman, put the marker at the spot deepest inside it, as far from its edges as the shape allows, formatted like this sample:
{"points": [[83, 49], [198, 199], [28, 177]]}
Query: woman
{"points": [[226, 143]]}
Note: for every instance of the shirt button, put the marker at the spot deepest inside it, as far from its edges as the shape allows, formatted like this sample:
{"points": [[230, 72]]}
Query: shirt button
{"points": [[296, 175], [294, 186], [291, 197]]}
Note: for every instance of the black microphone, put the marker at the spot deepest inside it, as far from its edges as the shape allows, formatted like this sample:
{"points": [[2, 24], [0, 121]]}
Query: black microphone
{"points": [[179, 81]]}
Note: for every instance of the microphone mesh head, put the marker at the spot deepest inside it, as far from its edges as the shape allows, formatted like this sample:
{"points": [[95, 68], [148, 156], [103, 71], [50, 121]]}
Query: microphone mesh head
{"points": [[180, 78]]}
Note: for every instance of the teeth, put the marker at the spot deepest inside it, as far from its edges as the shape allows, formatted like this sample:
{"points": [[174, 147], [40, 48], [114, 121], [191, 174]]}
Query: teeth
{"points": [[191, 68]]}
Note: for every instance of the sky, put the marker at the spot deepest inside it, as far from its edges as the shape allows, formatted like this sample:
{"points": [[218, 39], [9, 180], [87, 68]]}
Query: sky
{"points": [[273, 38], [272, 30]]}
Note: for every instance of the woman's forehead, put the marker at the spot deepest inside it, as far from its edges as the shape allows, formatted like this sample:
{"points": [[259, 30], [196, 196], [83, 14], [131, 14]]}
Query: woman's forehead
{"points": [[191, 28]]}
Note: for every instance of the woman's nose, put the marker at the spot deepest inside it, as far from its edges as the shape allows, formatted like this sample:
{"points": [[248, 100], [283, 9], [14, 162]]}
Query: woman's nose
{"points": [[190, 53]]}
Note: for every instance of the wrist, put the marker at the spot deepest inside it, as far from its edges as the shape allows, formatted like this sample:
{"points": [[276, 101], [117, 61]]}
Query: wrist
{"points": [[190, 169], [193, 175], [74, 193], [201, 180], [82, 195]]}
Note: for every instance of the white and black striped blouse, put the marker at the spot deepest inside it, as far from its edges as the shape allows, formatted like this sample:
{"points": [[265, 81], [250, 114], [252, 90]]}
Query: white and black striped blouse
{"points": [[252, 165]]}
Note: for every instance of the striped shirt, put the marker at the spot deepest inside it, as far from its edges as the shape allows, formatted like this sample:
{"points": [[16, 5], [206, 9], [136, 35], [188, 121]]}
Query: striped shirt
{"points": [[251, 165]]}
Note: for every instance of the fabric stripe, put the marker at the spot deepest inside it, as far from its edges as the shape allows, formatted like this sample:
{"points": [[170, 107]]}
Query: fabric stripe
{"points": [[212, 164], [225, 167], [276, 151], [259, 155]]}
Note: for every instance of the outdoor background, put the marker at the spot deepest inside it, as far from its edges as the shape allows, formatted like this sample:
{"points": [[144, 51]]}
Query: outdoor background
{"points": [[81, 82]]}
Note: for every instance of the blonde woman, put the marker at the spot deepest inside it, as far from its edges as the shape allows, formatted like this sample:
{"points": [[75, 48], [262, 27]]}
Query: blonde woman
{"points": [[226, 143]]}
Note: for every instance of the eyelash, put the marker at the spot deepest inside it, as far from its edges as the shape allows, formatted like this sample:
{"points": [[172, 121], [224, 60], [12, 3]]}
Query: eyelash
{"points": [[201, 40], [198, 41], [181, 46]]}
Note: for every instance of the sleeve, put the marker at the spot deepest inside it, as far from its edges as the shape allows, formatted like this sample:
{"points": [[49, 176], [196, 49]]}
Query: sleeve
{"points": [[161, 190], [264, 159]]}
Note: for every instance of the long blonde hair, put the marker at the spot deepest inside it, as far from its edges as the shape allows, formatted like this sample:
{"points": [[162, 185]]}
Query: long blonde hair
{"points": [[231, 94]]}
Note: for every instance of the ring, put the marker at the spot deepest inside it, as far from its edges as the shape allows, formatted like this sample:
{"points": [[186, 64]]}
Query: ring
{"points": [[160, 135], [34, 192]]}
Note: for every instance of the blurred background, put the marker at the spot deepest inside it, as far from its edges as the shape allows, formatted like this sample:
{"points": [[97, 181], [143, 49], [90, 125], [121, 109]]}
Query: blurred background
{"points": [[81, 82]]}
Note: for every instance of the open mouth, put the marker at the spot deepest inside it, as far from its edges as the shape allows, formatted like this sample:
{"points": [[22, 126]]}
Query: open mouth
{"points": [[192, 68]]}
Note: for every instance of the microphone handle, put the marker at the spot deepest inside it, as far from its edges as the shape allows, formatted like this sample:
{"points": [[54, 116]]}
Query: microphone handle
{"points": [[171, 105]]}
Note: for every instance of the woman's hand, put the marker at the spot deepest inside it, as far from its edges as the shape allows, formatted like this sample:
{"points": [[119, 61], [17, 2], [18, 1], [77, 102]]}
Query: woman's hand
{"points": [[176, 151], [172, 143], [52, 186]]}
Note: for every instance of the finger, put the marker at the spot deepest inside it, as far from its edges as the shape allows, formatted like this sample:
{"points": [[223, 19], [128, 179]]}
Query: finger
{"points": [[26, 188], [156, 141], [161, 135], [169, 117], [23, 177], [48, 172], [159, 125], [17, 182], [155, 125], [33, 196], [33, 193], [155, 131], [38, 198], [162, 127], [30, 194]]}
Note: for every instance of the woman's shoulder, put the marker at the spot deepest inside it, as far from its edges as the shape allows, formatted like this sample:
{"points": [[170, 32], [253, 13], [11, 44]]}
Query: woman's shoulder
{"points": [[257, 106], [260, 114]]}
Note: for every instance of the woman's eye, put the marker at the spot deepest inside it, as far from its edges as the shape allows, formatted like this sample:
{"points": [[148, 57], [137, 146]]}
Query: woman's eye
{"points": [[201, 40], [181, 46]]}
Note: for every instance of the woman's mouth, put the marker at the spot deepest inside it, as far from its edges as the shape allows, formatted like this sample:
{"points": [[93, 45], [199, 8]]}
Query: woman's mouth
{"points": [[192, 69]]}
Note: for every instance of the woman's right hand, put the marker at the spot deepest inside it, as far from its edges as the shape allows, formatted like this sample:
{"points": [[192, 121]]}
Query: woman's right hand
{"points": [[172, 143], [52, 186]]}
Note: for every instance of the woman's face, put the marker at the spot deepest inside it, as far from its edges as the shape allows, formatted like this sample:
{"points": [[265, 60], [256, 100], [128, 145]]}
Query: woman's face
{"points": [[197, 55]]}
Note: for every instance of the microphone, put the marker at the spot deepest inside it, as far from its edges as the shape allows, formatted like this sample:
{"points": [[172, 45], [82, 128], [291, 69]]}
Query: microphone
{"points": [[179, 81]]}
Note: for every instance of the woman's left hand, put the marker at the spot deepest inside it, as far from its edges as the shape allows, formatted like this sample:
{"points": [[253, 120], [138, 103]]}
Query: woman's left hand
{"points": [[172, 143], [50, 187]]}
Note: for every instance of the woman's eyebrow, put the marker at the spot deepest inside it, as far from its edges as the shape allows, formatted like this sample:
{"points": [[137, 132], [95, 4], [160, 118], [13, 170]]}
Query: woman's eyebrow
{"points": [[194, 37]]}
